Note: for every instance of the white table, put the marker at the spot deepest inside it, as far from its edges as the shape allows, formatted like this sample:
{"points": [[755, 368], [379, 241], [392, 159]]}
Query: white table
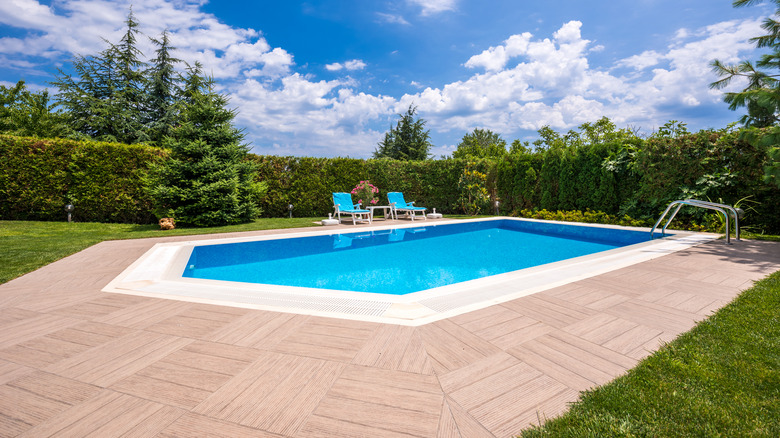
{"points": [[388, 211]]}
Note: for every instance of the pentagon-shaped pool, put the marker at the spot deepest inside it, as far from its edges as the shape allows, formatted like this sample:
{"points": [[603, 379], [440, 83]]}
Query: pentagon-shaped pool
{"points": [[408, 274]]}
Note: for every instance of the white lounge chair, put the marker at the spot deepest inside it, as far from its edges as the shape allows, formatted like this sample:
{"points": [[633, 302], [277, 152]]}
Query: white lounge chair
{"points": [[396, 200], [342, 202]]}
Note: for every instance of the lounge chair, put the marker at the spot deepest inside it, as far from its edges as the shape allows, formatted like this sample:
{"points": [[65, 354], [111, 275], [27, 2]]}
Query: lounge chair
{"points": [[396, 200], [342, 202]]}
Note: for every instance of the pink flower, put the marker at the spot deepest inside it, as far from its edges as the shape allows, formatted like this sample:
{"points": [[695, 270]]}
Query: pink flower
{"points": [[374, 201]]}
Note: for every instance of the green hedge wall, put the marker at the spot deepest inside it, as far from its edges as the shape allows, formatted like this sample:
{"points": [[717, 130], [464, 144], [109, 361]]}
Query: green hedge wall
{"points": [[308, 183], [635, 177], [102, 180], [722, 167]]}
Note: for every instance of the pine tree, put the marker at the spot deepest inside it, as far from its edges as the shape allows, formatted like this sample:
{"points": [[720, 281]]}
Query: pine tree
{"points": [[407, 141], [165, 94], [130, 95], [207, 180], [106, 98]]}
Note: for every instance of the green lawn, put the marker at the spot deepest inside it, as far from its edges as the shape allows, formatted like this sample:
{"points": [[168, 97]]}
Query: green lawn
{"points": [[721, 379], [26, 245]]}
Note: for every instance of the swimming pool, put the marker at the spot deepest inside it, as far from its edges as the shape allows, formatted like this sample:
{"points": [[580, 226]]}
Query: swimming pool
{"points": [[168, 270], [404, 260]]}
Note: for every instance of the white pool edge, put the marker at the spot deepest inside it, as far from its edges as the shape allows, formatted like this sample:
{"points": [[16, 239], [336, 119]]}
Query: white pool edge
{"points": [[157, 274]]}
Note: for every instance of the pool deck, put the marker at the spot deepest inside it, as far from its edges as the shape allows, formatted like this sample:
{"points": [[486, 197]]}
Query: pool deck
{"points": [[75, 361]]}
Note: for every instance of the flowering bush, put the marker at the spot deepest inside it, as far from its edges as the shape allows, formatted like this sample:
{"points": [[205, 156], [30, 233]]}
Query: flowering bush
{"points": [[365, 192], [473, 194]]}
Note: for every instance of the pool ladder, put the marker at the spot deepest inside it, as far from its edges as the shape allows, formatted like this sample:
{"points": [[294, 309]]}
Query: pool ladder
{"points": [[722, 208]]}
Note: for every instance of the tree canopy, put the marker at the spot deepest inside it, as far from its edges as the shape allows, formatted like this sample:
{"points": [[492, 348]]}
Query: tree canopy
{"points": [[30, 114], [600, 131], [481, 143], [115, 96], [407, 141]]}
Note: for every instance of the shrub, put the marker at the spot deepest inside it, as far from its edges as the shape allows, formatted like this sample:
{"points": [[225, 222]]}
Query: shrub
{"points": [[473, 193], [103, 180], [206, 180]]}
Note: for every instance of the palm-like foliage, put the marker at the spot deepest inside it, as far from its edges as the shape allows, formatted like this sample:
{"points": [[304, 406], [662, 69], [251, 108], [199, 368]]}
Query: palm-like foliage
{"points": [[761, 96]]}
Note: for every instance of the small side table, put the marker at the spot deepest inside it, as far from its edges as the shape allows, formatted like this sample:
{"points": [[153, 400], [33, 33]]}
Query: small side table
{"points": [[388, 211]]}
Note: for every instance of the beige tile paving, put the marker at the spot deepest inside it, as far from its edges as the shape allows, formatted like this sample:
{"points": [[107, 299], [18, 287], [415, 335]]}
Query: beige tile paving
{"points": [[78, 362]]}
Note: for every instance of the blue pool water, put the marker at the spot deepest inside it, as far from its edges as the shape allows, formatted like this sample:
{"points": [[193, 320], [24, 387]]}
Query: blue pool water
{"points": [[403, 260]]}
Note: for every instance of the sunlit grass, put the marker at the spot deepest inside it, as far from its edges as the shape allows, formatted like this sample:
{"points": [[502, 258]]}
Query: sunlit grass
{"points": [[721, 379], [28, 245]]}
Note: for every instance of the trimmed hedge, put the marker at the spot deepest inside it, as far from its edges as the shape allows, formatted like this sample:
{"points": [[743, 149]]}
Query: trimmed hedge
{"points": [[102, 180], [635, 178], [719, 166], [308, 183]]}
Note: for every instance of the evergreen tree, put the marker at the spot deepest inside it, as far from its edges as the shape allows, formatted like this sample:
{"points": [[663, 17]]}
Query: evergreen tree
{"points": [[481, 143], [207, 180], [106, 99], [407, 141], [164, 96], [130, 93]]}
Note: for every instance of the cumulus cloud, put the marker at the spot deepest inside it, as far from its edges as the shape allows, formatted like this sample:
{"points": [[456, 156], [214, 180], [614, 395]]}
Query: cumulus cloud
{"points": [[551, 82], [225, 51], [521, 83], [496, 58], [305, 117], [352, 65], [642, 61]]}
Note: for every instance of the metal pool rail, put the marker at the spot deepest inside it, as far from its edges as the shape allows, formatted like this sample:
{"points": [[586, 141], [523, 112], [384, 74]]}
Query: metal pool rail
{"points": [[722, 208]]}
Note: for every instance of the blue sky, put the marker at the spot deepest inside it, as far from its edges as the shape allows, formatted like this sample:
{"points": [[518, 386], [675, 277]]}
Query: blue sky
{"points": [[328, 78]]}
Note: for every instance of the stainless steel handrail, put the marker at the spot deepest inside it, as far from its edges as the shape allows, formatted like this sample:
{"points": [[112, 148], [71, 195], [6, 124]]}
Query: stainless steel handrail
{"points": [[722, 208], [733, 210]]}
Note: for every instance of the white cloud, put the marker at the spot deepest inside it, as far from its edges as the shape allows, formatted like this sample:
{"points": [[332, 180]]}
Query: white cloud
{"points": [[352, 65], [554, 84], [642, 61], [431, 7], [495, 58], [355, 64], [321, 118], [393, 19], [225, 51], [26, 14], [522, 83]]}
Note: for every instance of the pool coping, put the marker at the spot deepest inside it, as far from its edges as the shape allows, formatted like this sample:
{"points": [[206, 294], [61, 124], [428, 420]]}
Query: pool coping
{"points": [[157, 274]]}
